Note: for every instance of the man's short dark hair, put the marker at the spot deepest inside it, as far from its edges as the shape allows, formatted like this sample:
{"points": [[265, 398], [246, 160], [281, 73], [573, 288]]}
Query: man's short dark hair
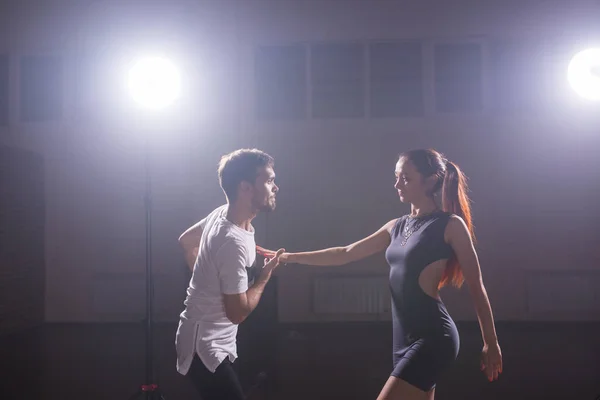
{"points": [[241, 165]]}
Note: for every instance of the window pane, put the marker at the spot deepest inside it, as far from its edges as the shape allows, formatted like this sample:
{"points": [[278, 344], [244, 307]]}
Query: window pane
{"points": [[337, 81], [396, 79], [4, 93], [523, 77], [280, 82], [458, 77], [41, 88]]}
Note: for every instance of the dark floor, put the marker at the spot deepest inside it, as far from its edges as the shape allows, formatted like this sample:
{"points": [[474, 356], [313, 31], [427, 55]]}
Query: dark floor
{"points": [[319, 361]]}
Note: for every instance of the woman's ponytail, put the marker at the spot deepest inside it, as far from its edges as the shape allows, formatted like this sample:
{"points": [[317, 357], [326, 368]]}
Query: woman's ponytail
{"points": [[455, 200]]}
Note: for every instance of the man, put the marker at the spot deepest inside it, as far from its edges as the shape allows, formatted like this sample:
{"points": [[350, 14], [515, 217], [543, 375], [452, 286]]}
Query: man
{"points": [[220, 249]]}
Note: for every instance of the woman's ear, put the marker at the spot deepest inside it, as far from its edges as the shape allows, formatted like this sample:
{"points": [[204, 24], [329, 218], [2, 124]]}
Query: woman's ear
{"points": [[431, 183]]}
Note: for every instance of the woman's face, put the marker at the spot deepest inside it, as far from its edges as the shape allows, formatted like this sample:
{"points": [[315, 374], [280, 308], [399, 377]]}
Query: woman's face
{"points": [[409, 182]]}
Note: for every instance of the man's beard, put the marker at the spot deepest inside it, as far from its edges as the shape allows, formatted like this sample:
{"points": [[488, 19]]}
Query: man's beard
{"points": [[268, 206]]}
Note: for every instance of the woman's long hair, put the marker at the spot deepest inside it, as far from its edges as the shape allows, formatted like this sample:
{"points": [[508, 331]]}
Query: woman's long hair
{"points": [[453, 185]]}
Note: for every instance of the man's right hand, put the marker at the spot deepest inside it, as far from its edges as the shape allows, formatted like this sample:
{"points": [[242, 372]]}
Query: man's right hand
{"points": [[284, 257], [272, 263], [239, 306]]}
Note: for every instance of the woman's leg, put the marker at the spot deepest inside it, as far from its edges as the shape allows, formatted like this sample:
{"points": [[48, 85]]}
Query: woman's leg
{"points": [[398, 389]]}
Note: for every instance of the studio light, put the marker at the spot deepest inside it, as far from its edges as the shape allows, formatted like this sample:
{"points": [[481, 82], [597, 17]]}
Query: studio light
{"points": [[584, 74], [154, 82]]}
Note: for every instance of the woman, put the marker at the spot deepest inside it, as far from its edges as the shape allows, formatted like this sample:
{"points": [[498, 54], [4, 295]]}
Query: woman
{"points": [[431, 247]]}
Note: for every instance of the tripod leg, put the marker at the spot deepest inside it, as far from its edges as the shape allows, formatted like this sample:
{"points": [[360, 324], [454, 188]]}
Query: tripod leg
{"points": [[156, 394], [148, 392], [139, 394]]}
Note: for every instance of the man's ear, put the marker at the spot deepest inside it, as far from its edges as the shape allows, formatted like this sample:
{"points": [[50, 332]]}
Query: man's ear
{"points": [[245, 187]]}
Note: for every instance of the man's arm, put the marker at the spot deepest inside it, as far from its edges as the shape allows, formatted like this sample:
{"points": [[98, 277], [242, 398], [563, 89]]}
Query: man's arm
{"points": [[239, 306], [190, 241]]}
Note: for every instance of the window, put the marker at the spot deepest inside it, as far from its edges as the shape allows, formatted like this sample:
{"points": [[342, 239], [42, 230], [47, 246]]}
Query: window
{"points": [[338, 81], [83, 87], [522, 76], [458, 77], [396, 79], [280, 82], [4, 91], [41, 88]]}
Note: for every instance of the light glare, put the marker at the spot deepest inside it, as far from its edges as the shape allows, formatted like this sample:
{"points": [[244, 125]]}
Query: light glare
{"points": [[154, 82], [583, 76]]}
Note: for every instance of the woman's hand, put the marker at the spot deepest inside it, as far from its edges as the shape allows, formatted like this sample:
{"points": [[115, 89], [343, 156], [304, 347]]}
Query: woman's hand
{"points": [[491, 361], [283, 258]]}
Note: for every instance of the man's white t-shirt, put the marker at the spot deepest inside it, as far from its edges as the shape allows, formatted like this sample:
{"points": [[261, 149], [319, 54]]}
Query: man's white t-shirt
{"points": [[225, 251]]}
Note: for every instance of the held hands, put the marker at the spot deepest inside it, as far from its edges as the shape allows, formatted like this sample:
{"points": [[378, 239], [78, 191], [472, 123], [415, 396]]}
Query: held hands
{"points": [[269, 254], [491, 361], [272, 261]]}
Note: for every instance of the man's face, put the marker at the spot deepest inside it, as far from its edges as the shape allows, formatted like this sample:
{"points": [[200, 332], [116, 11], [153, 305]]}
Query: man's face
{"points": [[265, 190]]}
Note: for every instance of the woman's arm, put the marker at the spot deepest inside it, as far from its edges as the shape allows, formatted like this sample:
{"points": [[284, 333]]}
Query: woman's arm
{"points": [[366, 247], [458, 236]]}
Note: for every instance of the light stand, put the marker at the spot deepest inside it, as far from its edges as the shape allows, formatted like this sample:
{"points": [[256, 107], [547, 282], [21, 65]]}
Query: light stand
{"points": [[149, 390], [154, 83]]}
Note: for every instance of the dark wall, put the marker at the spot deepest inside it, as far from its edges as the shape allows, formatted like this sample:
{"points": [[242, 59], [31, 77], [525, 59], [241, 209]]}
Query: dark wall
{"points": [[22, 221]]}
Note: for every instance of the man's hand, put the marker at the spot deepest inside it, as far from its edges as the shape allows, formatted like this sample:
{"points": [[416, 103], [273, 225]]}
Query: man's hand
{"points": [[269, 254], [239, 306], [190, 242], [190, 257], [272, 262]]}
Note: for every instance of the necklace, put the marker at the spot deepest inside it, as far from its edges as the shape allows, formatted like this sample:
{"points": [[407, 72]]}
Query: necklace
{"points": [[412, 228]]}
